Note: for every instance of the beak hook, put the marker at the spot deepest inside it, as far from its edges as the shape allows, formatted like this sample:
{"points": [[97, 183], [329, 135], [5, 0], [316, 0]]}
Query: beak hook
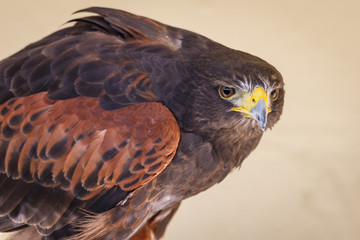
{"points": [[259, 113]]}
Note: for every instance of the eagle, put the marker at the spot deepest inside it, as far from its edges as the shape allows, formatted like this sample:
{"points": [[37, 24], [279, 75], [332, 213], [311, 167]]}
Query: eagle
{"points": [[108, 124]]}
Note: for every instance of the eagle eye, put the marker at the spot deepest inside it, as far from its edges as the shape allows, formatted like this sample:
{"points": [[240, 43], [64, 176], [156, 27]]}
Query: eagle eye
{"points": [[274, 94], [226, 92]]}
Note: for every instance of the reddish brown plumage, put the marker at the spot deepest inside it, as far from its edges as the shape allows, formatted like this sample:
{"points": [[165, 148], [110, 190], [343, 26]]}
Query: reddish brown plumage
{"points": [[105, 148]]}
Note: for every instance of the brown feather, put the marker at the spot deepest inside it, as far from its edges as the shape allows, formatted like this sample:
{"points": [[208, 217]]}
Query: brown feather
{"points": [[57, 127]]}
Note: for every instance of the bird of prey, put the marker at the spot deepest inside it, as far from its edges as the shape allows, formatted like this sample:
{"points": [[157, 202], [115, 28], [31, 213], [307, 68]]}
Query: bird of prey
{"points": [[107, 125]]}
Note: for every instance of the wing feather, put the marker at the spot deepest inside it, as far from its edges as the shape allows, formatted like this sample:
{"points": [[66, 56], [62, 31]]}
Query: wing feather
{"points": [[115, 148]]}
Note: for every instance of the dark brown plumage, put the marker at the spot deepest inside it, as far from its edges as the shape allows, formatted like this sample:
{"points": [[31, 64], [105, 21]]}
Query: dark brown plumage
{"points": [[106, 126]]}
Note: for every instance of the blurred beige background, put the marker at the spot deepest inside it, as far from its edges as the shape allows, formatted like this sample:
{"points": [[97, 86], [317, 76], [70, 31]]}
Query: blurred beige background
{"points": [[303, 181]]}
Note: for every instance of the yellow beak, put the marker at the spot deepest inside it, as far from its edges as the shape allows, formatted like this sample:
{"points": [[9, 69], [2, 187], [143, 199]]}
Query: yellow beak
{"points": [[254, 105]]}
